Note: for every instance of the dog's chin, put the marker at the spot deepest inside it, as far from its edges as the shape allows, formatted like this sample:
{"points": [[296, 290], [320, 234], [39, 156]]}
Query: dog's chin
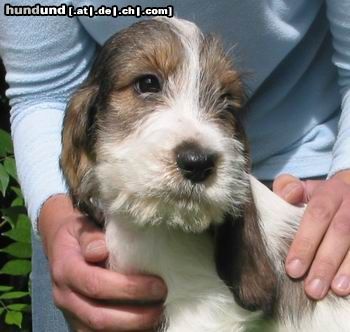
{"points": [[178, 204], [185, 213]]}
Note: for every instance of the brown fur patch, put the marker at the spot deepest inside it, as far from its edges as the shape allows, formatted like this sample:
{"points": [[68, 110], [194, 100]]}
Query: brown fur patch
{"points": [[77, 150], [243, 263], [218, 77], [222, 93], [146, 47]]}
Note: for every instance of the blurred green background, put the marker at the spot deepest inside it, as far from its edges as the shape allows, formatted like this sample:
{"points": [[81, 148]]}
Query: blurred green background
{"points": [[15, 247]]}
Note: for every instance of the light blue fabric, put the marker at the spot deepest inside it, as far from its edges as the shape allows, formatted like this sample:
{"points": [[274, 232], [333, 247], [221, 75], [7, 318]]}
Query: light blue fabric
{"points": [[299, 85], [45, 316]]}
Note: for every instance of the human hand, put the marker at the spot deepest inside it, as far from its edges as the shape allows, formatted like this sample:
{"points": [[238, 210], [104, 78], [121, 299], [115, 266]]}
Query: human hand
{"points": [[320, 249], [89, 295]]}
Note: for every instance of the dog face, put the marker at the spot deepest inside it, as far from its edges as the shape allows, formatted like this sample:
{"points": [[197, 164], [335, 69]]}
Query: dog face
{"points": [[154, 130]]}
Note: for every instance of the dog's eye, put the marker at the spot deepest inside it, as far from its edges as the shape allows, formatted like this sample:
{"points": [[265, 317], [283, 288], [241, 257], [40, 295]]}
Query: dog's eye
{"points": [[148, 83]]}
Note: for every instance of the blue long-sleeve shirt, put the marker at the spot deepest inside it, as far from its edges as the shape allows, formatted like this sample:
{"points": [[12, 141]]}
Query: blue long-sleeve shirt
{"points": [[296, 55]]}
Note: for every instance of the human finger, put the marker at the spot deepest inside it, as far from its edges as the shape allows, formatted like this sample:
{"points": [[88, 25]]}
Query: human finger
{"points": [[328, 260], [99, 283], [92, 243], [341, 282], [315, 222], [289, 188], [95, 316]]}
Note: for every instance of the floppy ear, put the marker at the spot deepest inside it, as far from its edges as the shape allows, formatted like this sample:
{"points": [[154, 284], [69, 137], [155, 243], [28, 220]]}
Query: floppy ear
{"points": [[78, 138], [242, 261]]}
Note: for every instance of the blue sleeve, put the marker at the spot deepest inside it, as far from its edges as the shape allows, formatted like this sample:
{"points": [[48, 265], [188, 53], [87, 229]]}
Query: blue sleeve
{"points": [[46, 58], [339, 17]]}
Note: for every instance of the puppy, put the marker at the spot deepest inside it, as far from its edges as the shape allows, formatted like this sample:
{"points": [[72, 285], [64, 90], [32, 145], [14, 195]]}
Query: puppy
{"points": [[153, 147]]}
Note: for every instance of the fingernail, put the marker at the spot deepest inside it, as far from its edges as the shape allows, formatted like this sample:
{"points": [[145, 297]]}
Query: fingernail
{"points": [[157, 290], [287, 191], [317, 288], [295, 268], [96, 246], [342, 282]]}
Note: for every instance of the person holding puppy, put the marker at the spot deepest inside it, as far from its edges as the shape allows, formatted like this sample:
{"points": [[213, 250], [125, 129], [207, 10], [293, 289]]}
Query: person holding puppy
{"points": [[294, 95]]}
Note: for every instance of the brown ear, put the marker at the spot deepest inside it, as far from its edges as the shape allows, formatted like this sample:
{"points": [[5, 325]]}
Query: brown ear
{"points": [[242, 261], [78, 138]]}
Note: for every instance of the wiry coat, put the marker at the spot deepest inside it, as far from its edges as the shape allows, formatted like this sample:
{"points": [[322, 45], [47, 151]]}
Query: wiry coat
{"points": [[210, 238]]}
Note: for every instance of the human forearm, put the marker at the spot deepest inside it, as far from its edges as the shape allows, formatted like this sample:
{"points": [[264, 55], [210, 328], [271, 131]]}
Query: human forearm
{"points": [[341, 149], [36, 131], [55, 212], [44, 64], [338, 12]]}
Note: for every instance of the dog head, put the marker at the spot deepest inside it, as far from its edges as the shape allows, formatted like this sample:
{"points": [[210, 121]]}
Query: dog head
{"points": [[154, 130]]}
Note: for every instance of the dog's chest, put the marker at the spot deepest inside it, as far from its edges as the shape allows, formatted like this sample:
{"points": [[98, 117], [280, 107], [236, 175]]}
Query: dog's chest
{"points": [[197, 299], [172, 254]]}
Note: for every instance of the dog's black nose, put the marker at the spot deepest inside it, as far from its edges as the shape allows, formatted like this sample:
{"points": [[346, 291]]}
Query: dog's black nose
{"points": [[195, 163]]}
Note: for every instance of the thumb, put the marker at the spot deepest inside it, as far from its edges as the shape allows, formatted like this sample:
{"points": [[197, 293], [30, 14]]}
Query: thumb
{"points": [[290, 188], [92, 243]]}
